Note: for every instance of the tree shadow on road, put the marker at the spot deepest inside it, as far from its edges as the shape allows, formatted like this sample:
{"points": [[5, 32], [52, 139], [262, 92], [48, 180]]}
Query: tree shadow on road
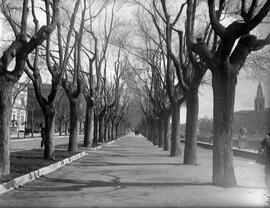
{"points": [[60, 184], [96, 163]]}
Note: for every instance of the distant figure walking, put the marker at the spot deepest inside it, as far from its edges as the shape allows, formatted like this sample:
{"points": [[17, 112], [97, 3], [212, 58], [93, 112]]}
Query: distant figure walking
{"points": [[266, 149], [42, 135]]}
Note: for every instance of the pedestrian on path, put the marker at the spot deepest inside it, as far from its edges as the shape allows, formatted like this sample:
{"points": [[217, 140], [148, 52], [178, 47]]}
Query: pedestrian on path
{"points": [[42, 135], [266, 150]]}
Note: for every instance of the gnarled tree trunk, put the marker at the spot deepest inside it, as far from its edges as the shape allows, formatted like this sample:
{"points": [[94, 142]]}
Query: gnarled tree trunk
{"points": [[224, 83], [5, 121], [155, 132], [95, 139], [109, 130], [73, 134], [161, 131], [113, 130], [105, 133], [117, 129], [192, 103], [101, 129], [88, 126], [60, 127], [49, 113], [166, 123], [175, 132], [66, 128]]}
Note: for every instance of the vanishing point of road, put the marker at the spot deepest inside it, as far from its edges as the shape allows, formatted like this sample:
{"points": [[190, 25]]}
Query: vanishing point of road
{"points": [[131, 172]]}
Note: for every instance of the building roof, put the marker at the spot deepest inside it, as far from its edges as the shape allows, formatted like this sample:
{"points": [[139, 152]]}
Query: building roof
{"points": [[259, 94]]}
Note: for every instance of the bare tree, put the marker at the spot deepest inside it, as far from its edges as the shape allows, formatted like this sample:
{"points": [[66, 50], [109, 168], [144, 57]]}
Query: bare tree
{"points": [[174, 91], [225, 61], [56, 66], [17, 89], [18, 50], [62, 112], [73, 89]]}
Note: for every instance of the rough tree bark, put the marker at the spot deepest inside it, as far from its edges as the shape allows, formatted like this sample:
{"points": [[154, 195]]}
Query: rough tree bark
{"points": [[166, 124], [18, 51], [232, 45], [5, 120], [49, 113], [95, 134], [224, 92], [175, 132], [73, 134], [60, 126], [101, 129], [161, 131], [192, 103], [113, 129], [88, 126], [105, 136]]}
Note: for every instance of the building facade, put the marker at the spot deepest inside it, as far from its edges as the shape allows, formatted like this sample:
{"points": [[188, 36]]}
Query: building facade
{"points": [[19, 115], [257, 121]]}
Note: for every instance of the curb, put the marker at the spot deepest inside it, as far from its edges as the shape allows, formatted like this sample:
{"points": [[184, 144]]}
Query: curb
{"points": [[17, 182], [102, 145], [37, 138]]}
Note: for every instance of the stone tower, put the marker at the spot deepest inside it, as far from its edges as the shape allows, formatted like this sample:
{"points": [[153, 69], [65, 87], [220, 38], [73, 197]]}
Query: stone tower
{"points": [[259, 101]]}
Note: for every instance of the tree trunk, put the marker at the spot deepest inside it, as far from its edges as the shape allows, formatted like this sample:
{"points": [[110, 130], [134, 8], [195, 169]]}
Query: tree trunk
{"points": [[101, 130], [224, 83], [60, 127], [73, 134], [88, 126], [112, 130], [166, 123], [117, 129], [146, 130], [109, 130], [66, 128], [95, 139], [49, 133], [105, 133], [192, 103], [161, 131], [175, 132], [5, 121], [80, 127], [154, 133], [148, 136], [152, 127], [32, 123]]}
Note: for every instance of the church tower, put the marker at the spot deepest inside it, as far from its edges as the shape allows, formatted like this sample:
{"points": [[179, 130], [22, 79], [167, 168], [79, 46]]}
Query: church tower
{"points": [[259, 101]]}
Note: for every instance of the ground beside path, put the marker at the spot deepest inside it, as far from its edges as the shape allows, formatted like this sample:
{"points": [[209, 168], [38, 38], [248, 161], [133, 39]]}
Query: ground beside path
{"points": [[34, 143], [131, 172]]}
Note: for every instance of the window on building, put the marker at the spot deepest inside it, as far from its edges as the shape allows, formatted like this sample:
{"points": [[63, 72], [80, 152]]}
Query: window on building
{"points": [[22, 120]]}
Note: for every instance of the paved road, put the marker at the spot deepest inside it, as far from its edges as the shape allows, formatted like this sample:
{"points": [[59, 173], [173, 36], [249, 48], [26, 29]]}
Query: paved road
{"points": [[131, 172], [32, 143]]}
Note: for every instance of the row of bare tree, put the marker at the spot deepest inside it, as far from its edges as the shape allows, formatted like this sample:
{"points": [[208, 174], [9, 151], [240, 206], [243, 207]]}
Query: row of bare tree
{"points": [[177, 54], [70, 50]]}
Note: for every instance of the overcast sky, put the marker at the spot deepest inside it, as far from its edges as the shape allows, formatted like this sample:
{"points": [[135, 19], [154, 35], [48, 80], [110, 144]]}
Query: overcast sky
{"points": [[246, 89]]}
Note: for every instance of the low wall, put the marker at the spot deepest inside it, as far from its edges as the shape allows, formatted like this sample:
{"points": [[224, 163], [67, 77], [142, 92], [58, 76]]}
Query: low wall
{"points": [[244, 143], [253, 155]]}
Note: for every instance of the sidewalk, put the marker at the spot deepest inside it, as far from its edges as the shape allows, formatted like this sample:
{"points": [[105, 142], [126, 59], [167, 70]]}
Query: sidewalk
{"points": [[131, 172]]}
